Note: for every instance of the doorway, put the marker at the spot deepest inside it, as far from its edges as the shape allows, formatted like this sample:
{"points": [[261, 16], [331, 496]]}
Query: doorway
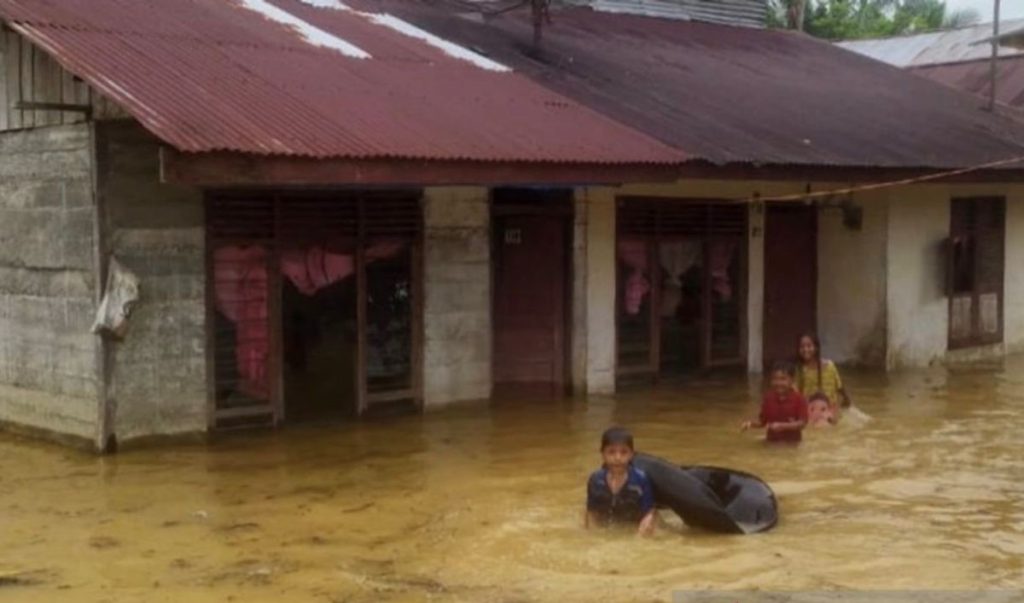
{"points": [[319, 348], [790, 278], [531, 284]]}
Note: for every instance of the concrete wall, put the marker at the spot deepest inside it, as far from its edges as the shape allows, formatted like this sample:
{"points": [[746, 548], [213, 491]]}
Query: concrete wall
{"points": [[158, 373], [918, 310], [49, 376], [852, 283], [457, 289]]}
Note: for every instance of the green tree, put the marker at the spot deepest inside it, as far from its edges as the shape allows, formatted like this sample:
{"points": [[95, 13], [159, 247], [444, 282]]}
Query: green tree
{"points": [[856, 19]]}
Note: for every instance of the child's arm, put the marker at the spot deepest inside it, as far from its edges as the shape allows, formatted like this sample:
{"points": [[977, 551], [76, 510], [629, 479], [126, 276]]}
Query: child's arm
{"points": [[752, 424], [794, 425], [646, 527]]}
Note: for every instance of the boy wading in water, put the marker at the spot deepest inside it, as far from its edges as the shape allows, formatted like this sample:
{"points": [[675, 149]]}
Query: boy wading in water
{"points": [[783, 410], [618, 492]]}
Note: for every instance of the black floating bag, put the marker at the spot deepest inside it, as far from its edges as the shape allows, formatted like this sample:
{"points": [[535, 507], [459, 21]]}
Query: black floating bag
{"points": [[712, 498]]}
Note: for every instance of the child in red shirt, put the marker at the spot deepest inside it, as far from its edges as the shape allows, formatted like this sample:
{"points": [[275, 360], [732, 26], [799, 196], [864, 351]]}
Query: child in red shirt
{"points": [[783, 410]]}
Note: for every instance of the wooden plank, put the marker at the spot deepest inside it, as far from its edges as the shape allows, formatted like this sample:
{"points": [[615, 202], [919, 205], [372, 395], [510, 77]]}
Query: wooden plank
{"points": [[4, 77], [39, 85], [52, 88], [12, 67], [239, 412], [28, 118], [236, 169], [391, 396], [68, 96], [361, 377]]}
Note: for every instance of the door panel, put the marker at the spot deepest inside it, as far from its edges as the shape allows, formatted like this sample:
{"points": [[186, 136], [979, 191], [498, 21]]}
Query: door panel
{"points": [[529, 308], [790, 279]]}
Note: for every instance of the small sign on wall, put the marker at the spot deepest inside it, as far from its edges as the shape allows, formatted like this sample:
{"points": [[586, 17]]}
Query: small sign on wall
{"points": [[513, 236]]}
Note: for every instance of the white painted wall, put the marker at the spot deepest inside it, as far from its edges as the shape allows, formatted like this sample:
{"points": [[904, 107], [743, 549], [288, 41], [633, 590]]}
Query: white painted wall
{"points": [[600, 290], [457, 290], [918, 310], [1013, 318], [852, 283]]}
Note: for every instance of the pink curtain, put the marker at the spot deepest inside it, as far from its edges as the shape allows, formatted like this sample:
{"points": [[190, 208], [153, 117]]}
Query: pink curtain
{"points": [[240, 291], [315, 268], [312, 269], [634, 255], [720, 258]]}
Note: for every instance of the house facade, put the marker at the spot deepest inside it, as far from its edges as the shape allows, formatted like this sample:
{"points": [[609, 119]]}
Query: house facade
{"points": [[332, 240]]}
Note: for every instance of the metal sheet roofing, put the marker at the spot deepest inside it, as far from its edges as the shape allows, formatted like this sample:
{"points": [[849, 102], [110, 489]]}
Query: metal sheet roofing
{"points": [[743, 13], [974, 77], [932, 48], [283, 77], [739, 95]]}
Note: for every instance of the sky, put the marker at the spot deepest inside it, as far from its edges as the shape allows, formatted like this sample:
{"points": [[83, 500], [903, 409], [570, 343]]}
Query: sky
{"points": [[1010, 9]]}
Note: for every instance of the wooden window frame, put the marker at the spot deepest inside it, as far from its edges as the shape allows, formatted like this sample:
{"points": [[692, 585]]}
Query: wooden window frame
{"points": [[653, 366], [977, 338]]}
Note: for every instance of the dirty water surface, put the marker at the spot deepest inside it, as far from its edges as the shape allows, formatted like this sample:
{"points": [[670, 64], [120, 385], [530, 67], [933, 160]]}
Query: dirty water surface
{"points": [[484, 503]]}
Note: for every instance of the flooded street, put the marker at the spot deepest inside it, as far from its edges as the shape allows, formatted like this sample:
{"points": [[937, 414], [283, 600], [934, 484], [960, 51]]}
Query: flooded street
{"points": [[484, 504]]}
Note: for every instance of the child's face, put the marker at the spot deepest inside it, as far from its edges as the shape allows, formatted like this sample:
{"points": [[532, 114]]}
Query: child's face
{"points": [[781, 382], [818, 412], [617, 456], [807, 349]]}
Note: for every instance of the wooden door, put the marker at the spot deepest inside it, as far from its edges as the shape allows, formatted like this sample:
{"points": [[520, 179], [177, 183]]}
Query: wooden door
{"points": [[530, 305], [790, 279]]}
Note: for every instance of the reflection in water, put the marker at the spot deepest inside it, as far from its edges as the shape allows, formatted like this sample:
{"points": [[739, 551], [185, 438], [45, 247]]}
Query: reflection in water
{"points": [[484, 504]]}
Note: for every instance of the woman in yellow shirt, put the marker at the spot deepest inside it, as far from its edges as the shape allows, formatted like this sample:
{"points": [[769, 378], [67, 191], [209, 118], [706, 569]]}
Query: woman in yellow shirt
{"points": [[815, 375]]}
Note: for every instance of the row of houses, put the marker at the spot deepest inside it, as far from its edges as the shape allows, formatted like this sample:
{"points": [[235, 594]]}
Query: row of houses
{"points": [[333, 208]]}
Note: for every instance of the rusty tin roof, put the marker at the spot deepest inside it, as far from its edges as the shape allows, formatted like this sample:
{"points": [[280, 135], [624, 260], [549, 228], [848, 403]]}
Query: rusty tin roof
{"points": [[315, 78]]}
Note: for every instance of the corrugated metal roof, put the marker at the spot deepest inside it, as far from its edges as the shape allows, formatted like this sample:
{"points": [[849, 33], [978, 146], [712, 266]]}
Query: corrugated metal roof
{"points": [[1013, 36], [742, 13], [932, 48], [728, 94], [975, 77], [207, 75]]}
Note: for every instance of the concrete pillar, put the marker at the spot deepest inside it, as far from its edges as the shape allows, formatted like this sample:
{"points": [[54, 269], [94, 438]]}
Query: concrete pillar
{"points": [[1013, 283], [457, 289], [600, 290]]}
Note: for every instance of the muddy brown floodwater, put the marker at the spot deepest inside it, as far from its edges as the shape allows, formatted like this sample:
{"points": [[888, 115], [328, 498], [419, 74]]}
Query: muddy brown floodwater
{"points": [[483, 503]]}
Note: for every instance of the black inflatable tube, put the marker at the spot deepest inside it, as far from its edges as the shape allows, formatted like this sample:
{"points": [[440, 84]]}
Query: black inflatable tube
{"points": [[711, 498]]}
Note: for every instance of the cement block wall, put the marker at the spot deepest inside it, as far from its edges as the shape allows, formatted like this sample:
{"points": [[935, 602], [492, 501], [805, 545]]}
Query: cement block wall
{"points": [[49, 377], [158, 373], [457, 290]]}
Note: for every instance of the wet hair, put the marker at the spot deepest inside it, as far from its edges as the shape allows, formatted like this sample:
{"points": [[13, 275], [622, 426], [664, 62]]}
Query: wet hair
{"points": [[800, 360], [616, 435], [782, 366], [819, 397]]}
